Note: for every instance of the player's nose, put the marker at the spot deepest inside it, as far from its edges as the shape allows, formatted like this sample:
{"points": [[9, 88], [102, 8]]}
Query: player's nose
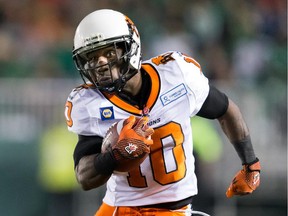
{"points": [[101, 60]]}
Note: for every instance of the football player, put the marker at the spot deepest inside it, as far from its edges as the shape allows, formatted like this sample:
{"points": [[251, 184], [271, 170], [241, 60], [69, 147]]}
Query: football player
{"points": [[163, 92]]}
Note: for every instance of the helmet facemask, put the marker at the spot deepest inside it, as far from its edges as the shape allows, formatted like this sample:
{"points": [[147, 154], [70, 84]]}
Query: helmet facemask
{"points": [[88, 68]]}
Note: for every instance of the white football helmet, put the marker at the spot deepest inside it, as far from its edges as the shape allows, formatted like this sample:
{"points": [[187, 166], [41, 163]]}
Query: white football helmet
{"points": [[103, 28]]}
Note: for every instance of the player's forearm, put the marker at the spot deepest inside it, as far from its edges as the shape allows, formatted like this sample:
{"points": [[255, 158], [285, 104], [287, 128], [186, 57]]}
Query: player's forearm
{"points": [[87, 175], [236, 130], [233, 124]]}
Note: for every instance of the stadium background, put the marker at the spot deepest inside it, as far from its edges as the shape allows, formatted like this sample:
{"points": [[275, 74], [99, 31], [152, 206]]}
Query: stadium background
{"points": [[242, 47]]}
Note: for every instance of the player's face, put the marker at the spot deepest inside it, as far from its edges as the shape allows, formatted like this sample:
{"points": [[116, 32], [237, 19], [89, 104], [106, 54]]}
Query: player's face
{"points": [[104, 65]]}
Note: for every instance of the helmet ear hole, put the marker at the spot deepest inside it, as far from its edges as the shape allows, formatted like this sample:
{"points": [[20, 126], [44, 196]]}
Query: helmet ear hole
{"points": [[125, 47], [134, 47]]}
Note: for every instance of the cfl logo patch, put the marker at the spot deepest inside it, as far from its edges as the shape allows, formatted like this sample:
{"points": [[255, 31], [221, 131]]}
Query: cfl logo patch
{"points": [[130, 148]]}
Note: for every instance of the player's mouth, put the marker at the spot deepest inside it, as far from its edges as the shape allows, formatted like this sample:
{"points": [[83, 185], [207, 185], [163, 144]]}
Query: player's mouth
{"points": [[104, 80]]}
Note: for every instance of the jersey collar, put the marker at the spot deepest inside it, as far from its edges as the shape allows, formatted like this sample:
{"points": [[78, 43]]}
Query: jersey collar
{"points": [[155, 90]]}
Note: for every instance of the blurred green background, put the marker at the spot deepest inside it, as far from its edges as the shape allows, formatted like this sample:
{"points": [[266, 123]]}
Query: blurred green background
{"points": [[241, 46]]}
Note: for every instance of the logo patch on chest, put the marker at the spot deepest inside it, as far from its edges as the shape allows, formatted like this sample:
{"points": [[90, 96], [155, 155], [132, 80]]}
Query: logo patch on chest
{"points": [[173, 94], [106, 113]]}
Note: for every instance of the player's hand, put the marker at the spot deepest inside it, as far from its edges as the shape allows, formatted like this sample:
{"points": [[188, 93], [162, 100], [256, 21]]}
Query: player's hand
{"points": [[134, 139], [246, 180]]}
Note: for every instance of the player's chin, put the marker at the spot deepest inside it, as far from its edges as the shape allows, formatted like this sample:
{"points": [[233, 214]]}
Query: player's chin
{"points": [[105, 81]]}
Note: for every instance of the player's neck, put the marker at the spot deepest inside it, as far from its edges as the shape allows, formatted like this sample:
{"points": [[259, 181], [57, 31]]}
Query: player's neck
{"points": [[140, 96], [133, 85]]}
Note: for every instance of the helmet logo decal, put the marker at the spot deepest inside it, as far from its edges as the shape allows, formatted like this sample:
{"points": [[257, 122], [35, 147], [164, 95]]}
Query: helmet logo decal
{"points": [[132, 25]]}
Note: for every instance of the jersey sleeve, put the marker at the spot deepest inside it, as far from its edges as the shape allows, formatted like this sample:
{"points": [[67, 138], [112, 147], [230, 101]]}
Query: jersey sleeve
{"points": [[197, 83], [78, 116]]}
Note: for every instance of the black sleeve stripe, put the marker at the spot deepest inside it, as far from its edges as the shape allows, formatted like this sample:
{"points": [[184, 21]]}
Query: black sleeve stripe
{"points": [[215, 105], [87, 145]]}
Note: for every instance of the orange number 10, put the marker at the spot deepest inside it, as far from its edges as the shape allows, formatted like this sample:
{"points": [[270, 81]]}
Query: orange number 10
{"points": [[173, 134]]}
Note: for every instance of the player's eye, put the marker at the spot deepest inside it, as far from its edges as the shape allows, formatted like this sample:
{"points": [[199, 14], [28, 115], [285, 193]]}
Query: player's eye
{"points": [[111, 54]]}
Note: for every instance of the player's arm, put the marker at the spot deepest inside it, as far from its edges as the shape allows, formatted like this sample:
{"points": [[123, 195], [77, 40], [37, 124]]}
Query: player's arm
{"points": [[88, 153], [94, 168], [218, 106]]}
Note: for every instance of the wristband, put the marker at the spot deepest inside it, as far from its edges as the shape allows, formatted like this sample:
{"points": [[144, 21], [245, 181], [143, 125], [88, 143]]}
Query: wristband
{"points": [[245, 150], [104, 163], [252, 166]]}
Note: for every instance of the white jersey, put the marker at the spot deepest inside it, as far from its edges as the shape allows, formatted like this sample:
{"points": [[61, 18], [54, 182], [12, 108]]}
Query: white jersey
{"points": [[179, 90]]}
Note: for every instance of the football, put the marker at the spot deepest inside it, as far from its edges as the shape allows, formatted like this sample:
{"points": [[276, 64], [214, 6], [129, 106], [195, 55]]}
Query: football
{"points": [[112, 136], [124, 164]]}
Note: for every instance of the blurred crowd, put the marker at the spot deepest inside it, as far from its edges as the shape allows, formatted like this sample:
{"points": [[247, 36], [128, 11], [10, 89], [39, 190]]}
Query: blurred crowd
{"points": [[236, 42], [232, 40]]}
